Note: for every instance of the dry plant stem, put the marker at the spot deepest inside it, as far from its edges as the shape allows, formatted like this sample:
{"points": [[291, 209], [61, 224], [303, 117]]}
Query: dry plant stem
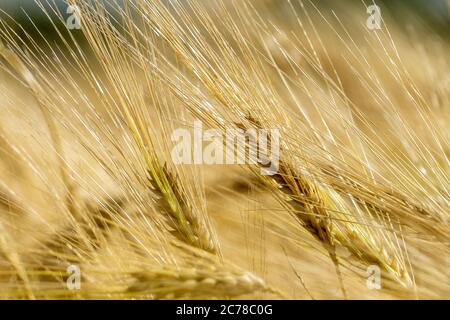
{"points": [[9, 154], [299, 276], [17, 64], [10, 203], [15, 260]]}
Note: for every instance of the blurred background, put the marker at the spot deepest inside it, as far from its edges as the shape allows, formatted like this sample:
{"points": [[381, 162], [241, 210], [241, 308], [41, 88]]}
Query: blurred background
{"points": [[227, 189], [434, 13]]}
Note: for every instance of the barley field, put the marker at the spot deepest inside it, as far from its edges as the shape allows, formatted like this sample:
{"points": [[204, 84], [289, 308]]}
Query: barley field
{"points": [[224, 149]]}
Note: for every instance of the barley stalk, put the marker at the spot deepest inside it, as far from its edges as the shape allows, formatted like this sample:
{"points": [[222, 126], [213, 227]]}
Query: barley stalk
{"points": [[42, 100], [362, 162], [202, 276]]}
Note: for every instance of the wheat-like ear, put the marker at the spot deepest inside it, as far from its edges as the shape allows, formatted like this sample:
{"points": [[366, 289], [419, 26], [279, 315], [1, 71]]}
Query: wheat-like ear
{"points": [[173, 203], [214, 281], [193, 283], [322, 202], [198, 275], [190, 226], [134, 103], [200, 230], [347, 184], [316, 202], [320, 211]]}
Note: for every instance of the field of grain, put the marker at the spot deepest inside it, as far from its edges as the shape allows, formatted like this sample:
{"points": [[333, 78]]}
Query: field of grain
{"points": [[94, 206]]}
